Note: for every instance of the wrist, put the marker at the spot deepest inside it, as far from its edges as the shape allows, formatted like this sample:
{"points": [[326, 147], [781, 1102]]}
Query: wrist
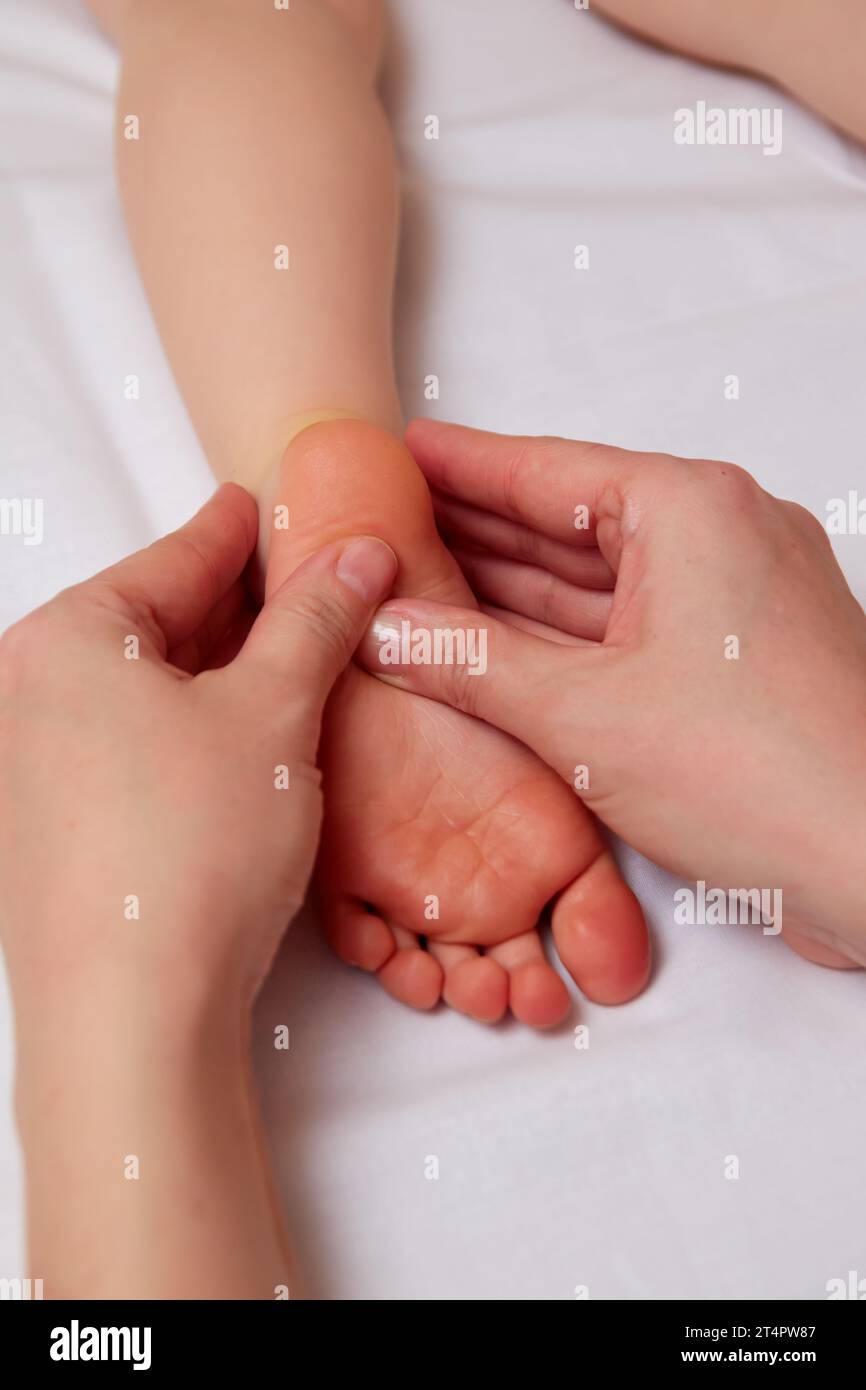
{"points": [[172, 969], [146, 1172], [122, 1037]]}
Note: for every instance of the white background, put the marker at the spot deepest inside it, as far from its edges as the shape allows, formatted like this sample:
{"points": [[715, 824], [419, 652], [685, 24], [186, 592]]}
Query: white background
{"points": [[558, 1167]]}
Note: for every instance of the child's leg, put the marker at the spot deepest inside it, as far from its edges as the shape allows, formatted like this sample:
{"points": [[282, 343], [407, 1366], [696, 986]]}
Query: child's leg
{"points": [[261, 144], [814, 48], [259, 129]]}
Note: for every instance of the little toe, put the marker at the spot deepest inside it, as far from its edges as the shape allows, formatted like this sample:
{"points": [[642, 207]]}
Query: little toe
{"points": [[357, 936], [411, 975], [537, 995], [474, 984], [601, 934]]}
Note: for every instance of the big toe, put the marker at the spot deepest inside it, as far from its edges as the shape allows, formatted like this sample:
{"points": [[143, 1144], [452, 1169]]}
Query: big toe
{"points": [[601, 934]]}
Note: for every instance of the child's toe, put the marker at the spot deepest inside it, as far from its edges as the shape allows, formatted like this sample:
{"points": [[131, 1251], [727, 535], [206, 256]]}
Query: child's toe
{"points": [[537, 995], [357, 936], [411, 975], [601, 935], [474, 984]]}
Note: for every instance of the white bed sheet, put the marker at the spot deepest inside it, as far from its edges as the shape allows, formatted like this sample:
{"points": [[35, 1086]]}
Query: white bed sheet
{"points": [[558, 1167]]}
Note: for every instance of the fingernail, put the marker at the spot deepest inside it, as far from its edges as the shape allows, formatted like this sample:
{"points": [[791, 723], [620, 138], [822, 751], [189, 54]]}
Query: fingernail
{"points": [[368, 567], [381, 637]]}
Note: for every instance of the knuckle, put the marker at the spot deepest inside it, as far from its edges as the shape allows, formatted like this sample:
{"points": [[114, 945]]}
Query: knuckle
{"points": [[16, 640], [807, 534], [324, 620], [533, 458], [671, 466], [528, 545], [806, 521], [730, 479], [513, 476], [725, 487], [668, 472], [97, 600], [202, 566], [13, 659], [547, 596], [462, 688], [19, 646], [25, 660]]}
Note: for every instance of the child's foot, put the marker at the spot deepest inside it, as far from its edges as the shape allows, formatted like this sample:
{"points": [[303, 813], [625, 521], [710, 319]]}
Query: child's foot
{"points": [[440, 830]]}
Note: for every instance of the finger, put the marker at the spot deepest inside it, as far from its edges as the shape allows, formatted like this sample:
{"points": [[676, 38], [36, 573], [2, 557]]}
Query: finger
{"points": [[541, 483], [226, 649], [513, 680], [308, 629], [193, 654], [175, 583], [550, 634], [577, 564], [536, 593]]}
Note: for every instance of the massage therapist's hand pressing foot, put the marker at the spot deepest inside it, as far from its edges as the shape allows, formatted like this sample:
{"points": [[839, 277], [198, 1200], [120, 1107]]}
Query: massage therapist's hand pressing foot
{"points": [[159, 819], [441, 834], [722, 718]]}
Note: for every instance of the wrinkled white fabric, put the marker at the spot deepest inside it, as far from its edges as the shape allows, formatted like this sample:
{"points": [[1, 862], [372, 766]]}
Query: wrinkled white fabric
{"points": [[557, 1167]]}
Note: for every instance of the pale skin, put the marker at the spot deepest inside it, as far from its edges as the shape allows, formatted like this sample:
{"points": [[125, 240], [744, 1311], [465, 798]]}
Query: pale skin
{"points": [[436, 826], [733, 770], [150, 862], [150, 1014], [260, 136], [812, 48], [261, 128], [128, 797]]}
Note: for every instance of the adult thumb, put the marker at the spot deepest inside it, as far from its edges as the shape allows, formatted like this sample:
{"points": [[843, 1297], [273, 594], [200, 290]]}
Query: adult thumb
{"points": [[518, 682], [309, 628]]}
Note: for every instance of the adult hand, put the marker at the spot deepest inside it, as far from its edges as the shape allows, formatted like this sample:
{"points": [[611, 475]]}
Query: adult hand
{"points": [[158, 826], [143, 786], [685, 637]]}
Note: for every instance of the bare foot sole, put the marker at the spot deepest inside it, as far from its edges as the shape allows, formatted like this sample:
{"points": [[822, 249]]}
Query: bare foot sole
{"points": [[444, 840]]}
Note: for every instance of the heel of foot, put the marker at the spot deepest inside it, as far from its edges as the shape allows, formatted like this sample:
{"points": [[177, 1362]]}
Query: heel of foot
{"points": [[296, 424]]}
